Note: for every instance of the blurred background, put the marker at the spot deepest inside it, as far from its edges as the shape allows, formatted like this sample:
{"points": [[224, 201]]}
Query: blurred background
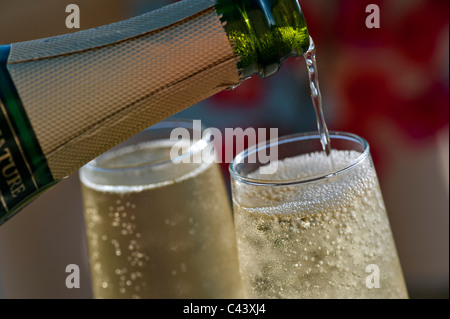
{"points": [[389, 85]]}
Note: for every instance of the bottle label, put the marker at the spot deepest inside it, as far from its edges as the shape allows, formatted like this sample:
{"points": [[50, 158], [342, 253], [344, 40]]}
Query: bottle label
{"points": [[24, 171]]}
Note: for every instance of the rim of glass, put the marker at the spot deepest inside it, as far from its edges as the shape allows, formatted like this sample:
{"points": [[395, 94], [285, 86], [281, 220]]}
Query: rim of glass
{"points": [[295, 138], [197, 146]]}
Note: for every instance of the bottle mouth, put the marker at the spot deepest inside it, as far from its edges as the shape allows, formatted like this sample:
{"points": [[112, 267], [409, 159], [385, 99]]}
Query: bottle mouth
{"points": [[242, 172], [263, 33]]}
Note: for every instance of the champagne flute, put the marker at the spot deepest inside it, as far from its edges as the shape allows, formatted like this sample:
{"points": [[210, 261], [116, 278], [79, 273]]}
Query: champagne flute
{"points": [[311, 230], [157, 229]]}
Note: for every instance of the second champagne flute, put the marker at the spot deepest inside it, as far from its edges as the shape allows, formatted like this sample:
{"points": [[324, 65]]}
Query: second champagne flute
{"points": [[157, 228]]}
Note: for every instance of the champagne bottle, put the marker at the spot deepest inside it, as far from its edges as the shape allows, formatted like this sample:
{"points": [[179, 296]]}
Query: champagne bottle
{"points": [[65, 100]]}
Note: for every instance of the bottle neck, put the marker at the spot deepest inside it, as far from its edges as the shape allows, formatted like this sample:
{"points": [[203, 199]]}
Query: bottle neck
{"points": [[263, 33]]}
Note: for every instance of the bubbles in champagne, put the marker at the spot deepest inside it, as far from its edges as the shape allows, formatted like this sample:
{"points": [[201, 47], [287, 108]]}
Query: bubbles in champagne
{"points": [[169, 238], [315, 240], [112, 236]]}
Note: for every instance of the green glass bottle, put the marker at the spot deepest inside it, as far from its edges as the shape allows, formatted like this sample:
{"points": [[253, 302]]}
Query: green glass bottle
{"points": [[264, 33], [67, 99]]}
